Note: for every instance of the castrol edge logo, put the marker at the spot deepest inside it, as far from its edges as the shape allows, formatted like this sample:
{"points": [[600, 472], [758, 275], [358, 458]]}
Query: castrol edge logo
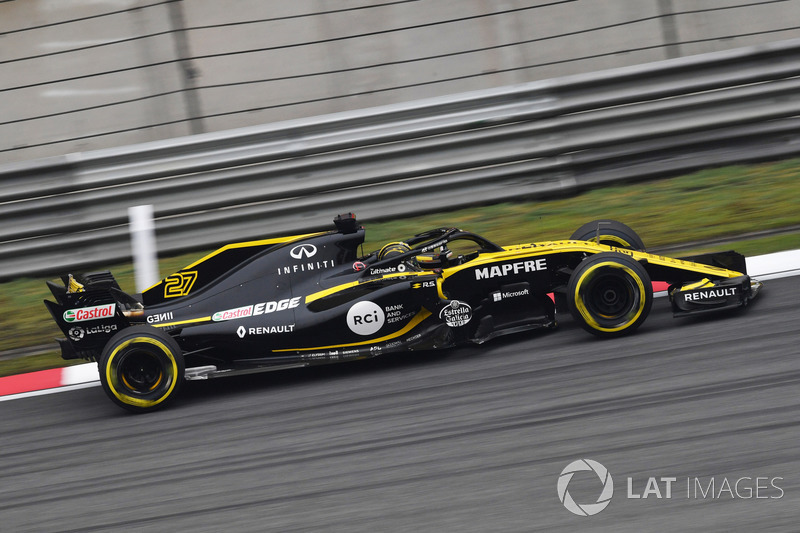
{"points": [[90, 313], [255, 310]]}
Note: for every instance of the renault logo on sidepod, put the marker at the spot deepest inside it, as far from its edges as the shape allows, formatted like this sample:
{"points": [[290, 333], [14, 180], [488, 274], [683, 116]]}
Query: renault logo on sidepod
{"points": [[303, 250]]}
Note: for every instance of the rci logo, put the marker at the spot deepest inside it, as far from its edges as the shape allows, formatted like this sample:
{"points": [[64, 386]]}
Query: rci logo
{"points": [[365, 318], [303, 250], [586, 509]]}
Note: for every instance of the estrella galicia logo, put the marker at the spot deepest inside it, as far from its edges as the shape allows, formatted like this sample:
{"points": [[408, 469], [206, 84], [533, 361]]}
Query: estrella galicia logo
{"points": [[456, 314], [303, 251], [586, 509]]}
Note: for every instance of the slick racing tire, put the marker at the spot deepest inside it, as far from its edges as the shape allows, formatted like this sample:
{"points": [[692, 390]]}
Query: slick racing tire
{"points": [[141, 368], [610, 294], [612, 233]]}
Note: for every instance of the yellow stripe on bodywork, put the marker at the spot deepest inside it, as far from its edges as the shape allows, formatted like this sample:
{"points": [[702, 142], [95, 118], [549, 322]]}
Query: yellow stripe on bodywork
{"points": [[179, 322], [422, 315], [344, 286], [524, 251]]}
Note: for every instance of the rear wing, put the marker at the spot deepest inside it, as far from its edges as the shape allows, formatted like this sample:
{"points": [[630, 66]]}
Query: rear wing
{"points": [[89, 310]]}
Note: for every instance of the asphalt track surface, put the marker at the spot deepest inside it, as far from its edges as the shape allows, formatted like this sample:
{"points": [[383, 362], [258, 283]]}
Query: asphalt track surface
{"points": [[472, 439]]}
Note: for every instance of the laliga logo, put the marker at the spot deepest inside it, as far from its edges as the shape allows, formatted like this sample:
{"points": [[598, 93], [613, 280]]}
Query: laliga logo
{"points": [[365, 318], [587, 509], [303, 250]]}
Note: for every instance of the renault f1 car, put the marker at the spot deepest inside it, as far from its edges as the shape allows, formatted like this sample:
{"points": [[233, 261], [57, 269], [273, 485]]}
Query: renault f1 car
{"points": [[317, 298]]}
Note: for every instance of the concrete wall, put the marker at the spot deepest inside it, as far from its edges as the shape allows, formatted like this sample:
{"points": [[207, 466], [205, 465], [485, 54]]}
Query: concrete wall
{"points": [[205, 65]]}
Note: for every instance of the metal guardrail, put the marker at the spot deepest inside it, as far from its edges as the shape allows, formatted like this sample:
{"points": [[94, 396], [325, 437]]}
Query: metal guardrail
{"points": [[544, 137]]}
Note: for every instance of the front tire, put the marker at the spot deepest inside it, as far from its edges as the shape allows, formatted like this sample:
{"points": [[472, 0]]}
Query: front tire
{"points": [[611, 233], [610, 294], [141, 368]]}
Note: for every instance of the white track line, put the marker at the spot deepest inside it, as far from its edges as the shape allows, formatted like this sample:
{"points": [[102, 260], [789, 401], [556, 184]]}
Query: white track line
{"points": [[52, 391]]}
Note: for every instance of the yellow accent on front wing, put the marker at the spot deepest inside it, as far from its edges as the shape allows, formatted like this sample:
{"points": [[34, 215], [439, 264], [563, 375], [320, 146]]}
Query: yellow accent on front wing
{"points": [[422, 315], [705, 282]]}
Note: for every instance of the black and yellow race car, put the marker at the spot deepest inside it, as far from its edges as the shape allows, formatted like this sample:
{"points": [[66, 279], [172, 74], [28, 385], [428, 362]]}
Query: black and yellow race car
{"points": [[317, 298]]}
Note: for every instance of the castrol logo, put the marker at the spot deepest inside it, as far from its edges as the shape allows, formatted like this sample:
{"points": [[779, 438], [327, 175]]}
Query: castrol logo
{"points": [[90, 313]]}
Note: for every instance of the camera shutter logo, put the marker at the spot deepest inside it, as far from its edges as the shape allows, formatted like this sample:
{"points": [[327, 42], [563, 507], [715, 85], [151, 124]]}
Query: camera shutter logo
{"points": [[303, 250], [586, 509]]}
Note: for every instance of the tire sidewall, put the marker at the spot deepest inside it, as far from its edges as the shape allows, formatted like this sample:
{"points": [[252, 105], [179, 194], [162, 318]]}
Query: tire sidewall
{"points": [[609, 267], [159, 350]]}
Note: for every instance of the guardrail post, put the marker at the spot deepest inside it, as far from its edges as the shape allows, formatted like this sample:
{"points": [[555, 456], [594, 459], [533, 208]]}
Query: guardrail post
{"points": [[143, 246]]}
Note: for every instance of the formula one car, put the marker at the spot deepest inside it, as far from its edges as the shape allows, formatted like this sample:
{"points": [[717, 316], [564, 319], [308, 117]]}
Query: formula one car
{"points": [[313, 299]]}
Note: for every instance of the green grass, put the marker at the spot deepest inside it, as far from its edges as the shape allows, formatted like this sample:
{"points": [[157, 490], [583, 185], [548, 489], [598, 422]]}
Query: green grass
{"points": [[751, 247], [34, 363], [711, 204]]}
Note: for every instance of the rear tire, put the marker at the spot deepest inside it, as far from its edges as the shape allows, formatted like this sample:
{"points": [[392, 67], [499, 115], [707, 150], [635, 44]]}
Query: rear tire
{"points": [[610, 294], [612, 233], [141, 368]]}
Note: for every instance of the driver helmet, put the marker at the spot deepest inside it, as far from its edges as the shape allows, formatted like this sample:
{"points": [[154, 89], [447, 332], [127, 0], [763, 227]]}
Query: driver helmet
{"points": [[439, 259], [392, 249]]}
